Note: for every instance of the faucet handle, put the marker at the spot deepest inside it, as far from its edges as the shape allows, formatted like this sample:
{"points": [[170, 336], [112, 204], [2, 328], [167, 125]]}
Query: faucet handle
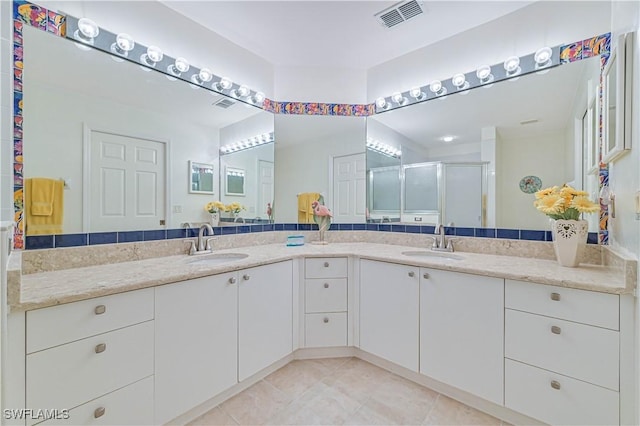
{"points": [[450, 244], [208, 243], [193, 249]]}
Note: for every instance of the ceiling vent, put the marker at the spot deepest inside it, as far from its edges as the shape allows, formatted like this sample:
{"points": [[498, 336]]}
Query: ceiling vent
{"points": [[224, 103], [399, 13]]}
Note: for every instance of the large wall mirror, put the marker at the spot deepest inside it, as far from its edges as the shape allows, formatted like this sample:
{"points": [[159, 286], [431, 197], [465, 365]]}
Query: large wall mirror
{"points": [[121, 137], [472, 159], [320, 155]]}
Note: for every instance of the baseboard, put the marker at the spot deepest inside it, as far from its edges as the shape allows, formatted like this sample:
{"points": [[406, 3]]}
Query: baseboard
{"points": [[332, 352]]}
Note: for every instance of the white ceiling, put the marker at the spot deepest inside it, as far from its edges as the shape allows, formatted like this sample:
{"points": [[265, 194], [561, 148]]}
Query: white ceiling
{"points": [[337, 34]]}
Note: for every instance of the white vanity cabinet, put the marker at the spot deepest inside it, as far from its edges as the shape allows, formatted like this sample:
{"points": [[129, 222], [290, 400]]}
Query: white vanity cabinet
{"points": [[265, 317], [562, 349], [81, 356], [461, 331], [325, 301], [196, 342], [389, 311]]}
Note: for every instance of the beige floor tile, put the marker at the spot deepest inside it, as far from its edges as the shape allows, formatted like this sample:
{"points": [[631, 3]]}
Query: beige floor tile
{"points": [[215, 417], [296, 377], [471, 416], [328, 365], [296, 414], [333, 405], [446, 411], [368, 416], [402, 401], [256, 404]]}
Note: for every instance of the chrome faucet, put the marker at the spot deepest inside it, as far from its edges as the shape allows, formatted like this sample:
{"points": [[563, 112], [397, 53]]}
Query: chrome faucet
{"points": [[441, 243], [203, 245]]}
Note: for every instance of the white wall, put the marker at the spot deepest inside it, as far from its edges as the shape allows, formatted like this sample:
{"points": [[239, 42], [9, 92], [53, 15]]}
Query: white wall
{"points": [[544, 23], [59, 135], [330, 85], [546, 161]]}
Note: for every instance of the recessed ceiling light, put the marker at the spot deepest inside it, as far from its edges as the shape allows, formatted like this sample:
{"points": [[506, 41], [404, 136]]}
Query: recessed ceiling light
{"points": [[447, 138]]}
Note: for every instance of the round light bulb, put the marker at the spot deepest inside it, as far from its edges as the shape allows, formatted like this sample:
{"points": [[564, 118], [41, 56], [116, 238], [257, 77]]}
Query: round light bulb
{"points": [[459, 80], [205, 75], [381, 102], [447, 138], [182, 65], [416, 92], [125, 42], [397, 97], [543, 56], [258, 97], [225, 83], [435, 86], [154, 54], [243, 90], [511, 64], [88, 28], [483, 72]]}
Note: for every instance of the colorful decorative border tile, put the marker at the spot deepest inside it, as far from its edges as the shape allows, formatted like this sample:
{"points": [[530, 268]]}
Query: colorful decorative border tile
{"points": [[317, 108], [25, 13], [594, 46]]}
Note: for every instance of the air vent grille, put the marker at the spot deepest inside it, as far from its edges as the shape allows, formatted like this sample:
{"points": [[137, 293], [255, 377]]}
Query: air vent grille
{"points": [[225, 103], [399, 13]]}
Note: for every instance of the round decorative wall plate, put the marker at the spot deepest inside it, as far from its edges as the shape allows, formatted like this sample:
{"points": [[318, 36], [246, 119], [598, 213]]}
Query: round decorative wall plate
{"points": [[530, 184]]}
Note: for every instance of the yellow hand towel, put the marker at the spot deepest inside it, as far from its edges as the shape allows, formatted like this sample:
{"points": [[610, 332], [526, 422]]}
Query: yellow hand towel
{"points": [[39, 224], [41, 196], [305, 211]]}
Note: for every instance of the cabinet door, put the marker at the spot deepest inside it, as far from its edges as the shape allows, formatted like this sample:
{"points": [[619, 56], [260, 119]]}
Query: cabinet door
{"points": [[265, 317], [196, 343], [461, 331], [389, 312]]}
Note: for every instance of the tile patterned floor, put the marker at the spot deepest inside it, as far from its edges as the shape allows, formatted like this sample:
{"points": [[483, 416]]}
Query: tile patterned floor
{"points": [[339, 391]]}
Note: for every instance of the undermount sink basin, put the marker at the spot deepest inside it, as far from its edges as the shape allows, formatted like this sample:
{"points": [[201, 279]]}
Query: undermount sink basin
{"points": [[215, 259], [433, 254]]}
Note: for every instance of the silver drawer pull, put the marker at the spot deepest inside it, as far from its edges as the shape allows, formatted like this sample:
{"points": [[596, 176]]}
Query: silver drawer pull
{"points": [[555, 329], [101, 348], [412, 274], [326, 264], [99, 412], [555, 385], [555, 296], [326, 320], [100, 309], [425, 276], [232, 280], [326, 285], [246, 277]]}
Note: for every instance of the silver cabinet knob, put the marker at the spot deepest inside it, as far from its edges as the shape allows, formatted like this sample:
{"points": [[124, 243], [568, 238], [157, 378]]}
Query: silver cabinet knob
{"points": [[326, 264], [232, 280], [555, 329], [99, 412], [555, 296], [555, 385], [246, 277], [412, 274], [326, 320], [101, 348], [426, 276], [100, 309], [326, 285]]}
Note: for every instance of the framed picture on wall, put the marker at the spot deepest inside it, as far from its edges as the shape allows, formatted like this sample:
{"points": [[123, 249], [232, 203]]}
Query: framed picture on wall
{"points": [[616, 99], [200, 178], [234, 181]]}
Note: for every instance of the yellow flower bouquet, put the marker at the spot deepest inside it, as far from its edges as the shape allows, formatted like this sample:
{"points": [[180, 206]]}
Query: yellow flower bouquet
{"points": [[214, 206], [564, 202], [234, 207]]}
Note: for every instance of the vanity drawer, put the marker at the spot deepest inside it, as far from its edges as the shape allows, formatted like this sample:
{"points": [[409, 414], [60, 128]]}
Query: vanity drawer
{"points": [[327, 295], [131, 405], [70, 375], [61, 324], [325, 267], [532, 391], [325, 330], [576, 350], [588, 307]]}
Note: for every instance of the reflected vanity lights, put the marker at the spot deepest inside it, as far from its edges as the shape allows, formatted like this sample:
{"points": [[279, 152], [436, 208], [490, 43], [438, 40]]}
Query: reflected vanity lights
{"points": [[248, 143], [383, 148], [483, 76], [86, 33]]}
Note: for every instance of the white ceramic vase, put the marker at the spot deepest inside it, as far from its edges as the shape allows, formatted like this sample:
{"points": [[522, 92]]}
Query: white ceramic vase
{"points": [[569, 240], [215, 219]]}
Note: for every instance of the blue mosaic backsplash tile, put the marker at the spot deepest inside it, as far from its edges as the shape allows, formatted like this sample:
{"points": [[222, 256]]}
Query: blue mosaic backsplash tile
{"points": [[73, 240]]}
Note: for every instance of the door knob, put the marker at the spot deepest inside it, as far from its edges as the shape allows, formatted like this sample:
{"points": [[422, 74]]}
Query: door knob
{"points": [[232, 280], [412, 274], [326, 285], [246, 277], [326, 264]]}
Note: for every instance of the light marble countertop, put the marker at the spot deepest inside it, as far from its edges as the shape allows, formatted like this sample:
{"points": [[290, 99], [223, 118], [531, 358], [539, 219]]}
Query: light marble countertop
{"points": [[44, 289]]}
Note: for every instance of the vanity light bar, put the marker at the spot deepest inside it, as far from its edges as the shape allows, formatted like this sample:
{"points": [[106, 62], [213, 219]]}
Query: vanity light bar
{"points": [[512, 67], [248, 143], [383, 148], [86, 32]]}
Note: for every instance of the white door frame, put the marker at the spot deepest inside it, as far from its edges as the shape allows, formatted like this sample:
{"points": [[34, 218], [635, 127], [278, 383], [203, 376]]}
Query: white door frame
{"points": [[86, 173]]}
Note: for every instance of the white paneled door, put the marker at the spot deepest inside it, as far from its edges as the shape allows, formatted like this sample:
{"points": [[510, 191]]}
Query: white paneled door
{"points": [[265, 187], [349, 188], [126, 188]]}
